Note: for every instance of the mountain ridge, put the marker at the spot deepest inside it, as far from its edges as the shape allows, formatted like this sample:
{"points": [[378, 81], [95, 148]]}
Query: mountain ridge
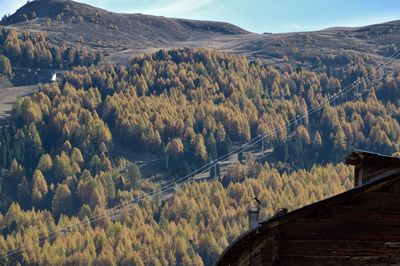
{"points": [[121, 36], [71, 12]]}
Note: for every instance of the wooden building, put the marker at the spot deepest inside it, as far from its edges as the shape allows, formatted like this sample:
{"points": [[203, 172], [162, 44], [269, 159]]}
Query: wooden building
{"points": [[358, 227]]}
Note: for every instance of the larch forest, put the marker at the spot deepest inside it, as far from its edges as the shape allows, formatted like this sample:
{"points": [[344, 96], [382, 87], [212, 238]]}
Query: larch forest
{"points": [[62, 169]]}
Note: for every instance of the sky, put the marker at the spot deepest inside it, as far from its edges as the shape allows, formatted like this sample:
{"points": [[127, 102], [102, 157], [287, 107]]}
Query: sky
{"points": [[256, 15]]}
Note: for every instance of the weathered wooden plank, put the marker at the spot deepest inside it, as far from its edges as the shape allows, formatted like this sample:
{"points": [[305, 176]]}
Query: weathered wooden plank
{"points": [[334, 244], [373, 236], [341, 230], [327, 248], [256, 260], [342, 243], [340, 225], [365, 210], [331, 260], [377, 198], [376, 172], [381, 195], [268, 251], [349, 217]]}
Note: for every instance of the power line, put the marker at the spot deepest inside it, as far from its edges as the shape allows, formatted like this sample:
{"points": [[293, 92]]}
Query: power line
{"points": [[252, 142], [129, 203], [277, 129]]}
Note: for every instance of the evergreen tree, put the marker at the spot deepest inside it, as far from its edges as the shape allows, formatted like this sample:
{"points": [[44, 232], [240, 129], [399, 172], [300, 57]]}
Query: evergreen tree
{"points": [[5, 66], [62, 200]]}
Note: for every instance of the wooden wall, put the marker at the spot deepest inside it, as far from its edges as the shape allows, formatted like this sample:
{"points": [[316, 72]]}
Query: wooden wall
{"points": [[361, 231]]}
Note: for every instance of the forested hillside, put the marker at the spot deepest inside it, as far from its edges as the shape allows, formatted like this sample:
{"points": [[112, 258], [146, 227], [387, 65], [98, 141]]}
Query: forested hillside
{"points": [[32, 50], [190, 228], [187, 107]]}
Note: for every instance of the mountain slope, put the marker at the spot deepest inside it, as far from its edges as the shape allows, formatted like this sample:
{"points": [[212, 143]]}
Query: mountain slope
{"points": [[124, 35], [68, 20]]}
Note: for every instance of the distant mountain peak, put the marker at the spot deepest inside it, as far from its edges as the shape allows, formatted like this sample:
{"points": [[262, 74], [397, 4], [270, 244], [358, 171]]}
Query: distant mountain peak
{"points": [[77, 21], [38, 9], [69, 11]]}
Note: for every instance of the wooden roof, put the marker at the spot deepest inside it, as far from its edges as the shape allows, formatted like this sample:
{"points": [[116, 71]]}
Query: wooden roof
{"points": [[232, 253], [361, 156]]}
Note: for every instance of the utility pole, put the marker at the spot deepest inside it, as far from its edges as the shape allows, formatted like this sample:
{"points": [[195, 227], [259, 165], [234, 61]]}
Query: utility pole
{"points": [[215, 170], [262, 146]]}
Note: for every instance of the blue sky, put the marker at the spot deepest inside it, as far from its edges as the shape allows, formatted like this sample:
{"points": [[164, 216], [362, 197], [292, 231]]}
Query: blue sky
{"points": [[256, 15]]}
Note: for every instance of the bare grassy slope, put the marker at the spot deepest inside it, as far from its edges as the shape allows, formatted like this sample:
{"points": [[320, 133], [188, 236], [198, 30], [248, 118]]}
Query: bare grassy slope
{"points": [[68, 20], [124, 35]]}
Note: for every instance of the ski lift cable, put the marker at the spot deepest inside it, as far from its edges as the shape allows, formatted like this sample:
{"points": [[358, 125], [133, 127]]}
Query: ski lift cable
{"points": [[42, 239]]}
